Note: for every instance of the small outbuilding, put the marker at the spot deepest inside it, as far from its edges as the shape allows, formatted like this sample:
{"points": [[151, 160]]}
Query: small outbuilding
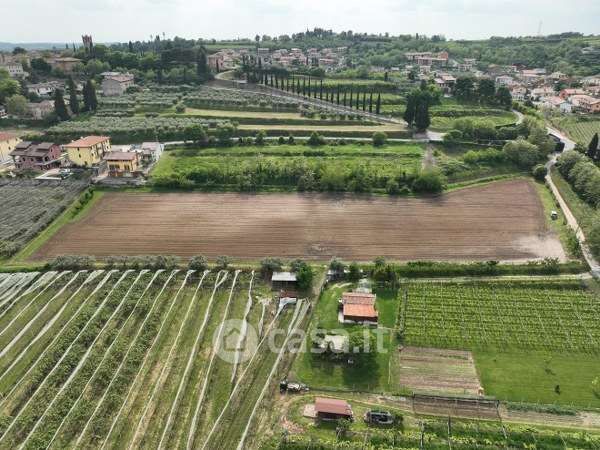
{"points": [[283, 281], [359, 307], [332, 409]]}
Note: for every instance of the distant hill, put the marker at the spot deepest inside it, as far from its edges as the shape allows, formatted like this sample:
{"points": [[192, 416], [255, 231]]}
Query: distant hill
{"points": [[9, 46]]}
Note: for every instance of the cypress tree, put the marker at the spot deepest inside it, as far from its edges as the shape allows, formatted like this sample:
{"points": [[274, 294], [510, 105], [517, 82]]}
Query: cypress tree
{"points": [[73, 102], [303, 87], [351, 103], [338, 94], [202, 69], [309, 88], [422, 119], [378, 106], [321, 90], [59, 105], [364, 102], [410, 111], [593, 151], [287, 84], [371, 102], [358, 100], [344, 98]]}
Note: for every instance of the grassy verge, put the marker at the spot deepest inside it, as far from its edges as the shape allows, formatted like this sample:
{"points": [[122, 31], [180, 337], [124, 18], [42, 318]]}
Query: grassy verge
{"points": [[533, 377]]}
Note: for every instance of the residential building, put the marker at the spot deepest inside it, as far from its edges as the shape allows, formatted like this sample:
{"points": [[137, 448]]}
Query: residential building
{"points": [[8, 142], [88, 151], [65, 64], [39, 156], [505, 80], [586, 103], [122, 164], [151, 152], [566, 93], [14, 69], [519, 93], [3, 113], [558, 103], [41, 110], [215, 61], [45, 89], [542, 93], [332, 409], [445, 82], [116, 84]]}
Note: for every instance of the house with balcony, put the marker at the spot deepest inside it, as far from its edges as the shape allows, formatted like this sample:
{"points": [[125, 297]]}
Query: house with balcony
{"points": [[88, 151], [38, 156], [122, 164]]}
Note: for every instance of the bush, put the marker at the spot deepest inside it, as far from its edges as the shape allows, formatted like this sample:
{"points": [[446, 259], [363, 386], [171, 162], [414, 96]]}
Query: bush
{"points": [[259, 139], [270, 265], [379, 138], [180, 108], [315, 139], [198, 263], [453, 136], [539, 172], [337, 265], [72, 262], [524, 154], [429, 181], [223, 262], [392, 187], [354, 272]]}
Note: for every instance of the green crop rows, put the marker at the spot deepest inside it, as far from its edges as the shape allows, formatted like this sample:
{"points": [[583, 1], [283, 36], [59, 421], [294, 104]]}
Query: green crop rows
{"points": [[552, 316]]}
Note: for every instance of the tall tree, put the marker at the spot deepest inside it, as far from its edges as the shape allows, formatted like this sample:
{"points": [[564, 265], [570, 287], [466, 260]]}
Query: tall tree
{"points": [[422, 118], [411, 108], [304, 87], [90, 101], [338, 95], [364, 101], [371, 102], [73, 101], [378, 105], [593, 150], [321, 90], [344, 98], [202, 69], [351, 102], [59, 105]]}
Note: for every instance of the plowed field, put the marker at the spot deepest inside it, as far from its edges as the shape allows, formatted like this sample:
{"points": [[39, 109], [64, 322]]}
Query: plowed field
{"points": [[502, 221]]}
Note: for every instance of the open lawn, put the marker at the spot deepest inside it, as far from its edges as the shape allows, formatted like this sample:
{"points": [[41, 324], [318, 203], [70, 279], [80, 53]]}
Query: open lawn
{"points": [[439, 123], [501, 221], [533, 377]]}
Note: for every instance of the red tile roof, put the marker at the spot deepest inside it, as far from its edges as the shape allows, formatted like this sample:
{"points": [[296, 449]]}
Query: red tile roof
{"points": [[366, 311], [87, 141], [120, 156], [358, 298], [332, 406]]}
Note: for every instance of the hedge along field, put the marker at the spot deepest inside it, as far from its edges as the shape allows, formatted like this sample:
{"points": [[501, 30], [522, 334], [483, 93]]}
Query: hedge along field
{"points": [[344, 167], [126, 358]]}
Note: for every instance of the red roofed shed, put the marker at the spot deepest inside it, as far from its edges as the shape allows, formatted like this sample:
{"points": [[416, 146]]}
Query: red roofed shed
{"points": [[332, 409]]}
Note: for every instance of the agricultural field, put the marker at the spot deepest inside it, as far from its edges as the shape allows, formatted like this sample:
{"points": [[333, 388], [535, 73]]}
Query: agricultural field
{"points": [[130, 129], [497, 117], [526, 337], [500, 221], [29, 206], [286, 166], [580, 129], [107, 359], [414, 431]]}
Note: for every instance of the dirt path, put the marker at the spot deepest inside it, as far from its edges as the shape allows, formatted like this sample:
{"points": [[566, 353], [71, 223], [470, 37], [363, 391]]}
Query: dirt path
{"points": [[428, 157]]}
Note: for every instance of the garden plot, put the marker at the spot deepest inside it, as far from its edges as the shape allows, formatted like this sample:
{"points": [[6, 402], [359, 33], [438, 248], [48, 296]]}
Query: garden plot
{"points": [[113, 358], [430, 370]]}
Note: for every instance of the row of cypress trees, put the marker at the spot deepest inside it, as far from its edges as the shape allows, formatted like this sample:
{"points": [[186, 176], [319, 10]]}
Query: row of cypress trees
{"points": [[90, 100], [309, 87]]}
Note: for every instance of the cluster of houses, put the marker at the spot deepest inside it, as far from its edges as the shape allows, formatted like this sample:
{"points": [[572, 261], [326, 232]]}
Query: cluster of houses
{"points": [[540, 88], [90, 152], [326, 58]]}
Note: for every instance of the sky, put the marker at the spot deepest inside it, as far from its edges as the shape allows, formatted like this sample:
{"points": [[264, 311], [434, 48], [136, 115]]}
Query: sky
{"points": [[124, 20]]}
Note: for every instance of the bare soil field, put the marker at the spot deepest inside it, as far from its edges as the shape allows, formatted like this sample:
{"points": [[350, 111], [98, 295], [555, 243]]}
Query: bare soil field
{"points": [[501, 221], [438, 371]]}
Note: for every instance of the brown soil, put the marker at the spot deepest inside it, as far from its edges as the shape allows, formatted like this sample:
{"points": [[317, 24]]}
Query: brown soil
{"points": [[438, 371], [501, 221]]}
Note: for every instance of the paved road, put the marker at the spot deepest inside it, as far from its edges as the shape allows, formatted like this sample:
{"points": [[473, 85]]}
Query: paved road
{"points": [[571, 220]]}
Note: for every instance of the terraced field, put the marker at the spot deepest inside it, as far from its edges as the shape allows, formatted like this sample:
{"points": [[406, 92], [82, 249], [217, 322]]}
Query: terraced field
{"points": [[133, 359]]}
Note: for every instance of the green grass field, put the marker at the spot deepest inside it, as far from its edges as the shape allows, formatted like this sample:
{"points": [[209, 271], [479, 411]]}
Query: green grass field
{"points": [[286, 166], [439, 123], [317, 371]]}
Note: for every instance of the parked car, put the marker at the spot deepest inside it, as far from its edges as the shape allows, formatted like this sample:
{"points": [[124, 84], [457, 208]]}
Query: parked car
{"points": [[379, 417]]}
